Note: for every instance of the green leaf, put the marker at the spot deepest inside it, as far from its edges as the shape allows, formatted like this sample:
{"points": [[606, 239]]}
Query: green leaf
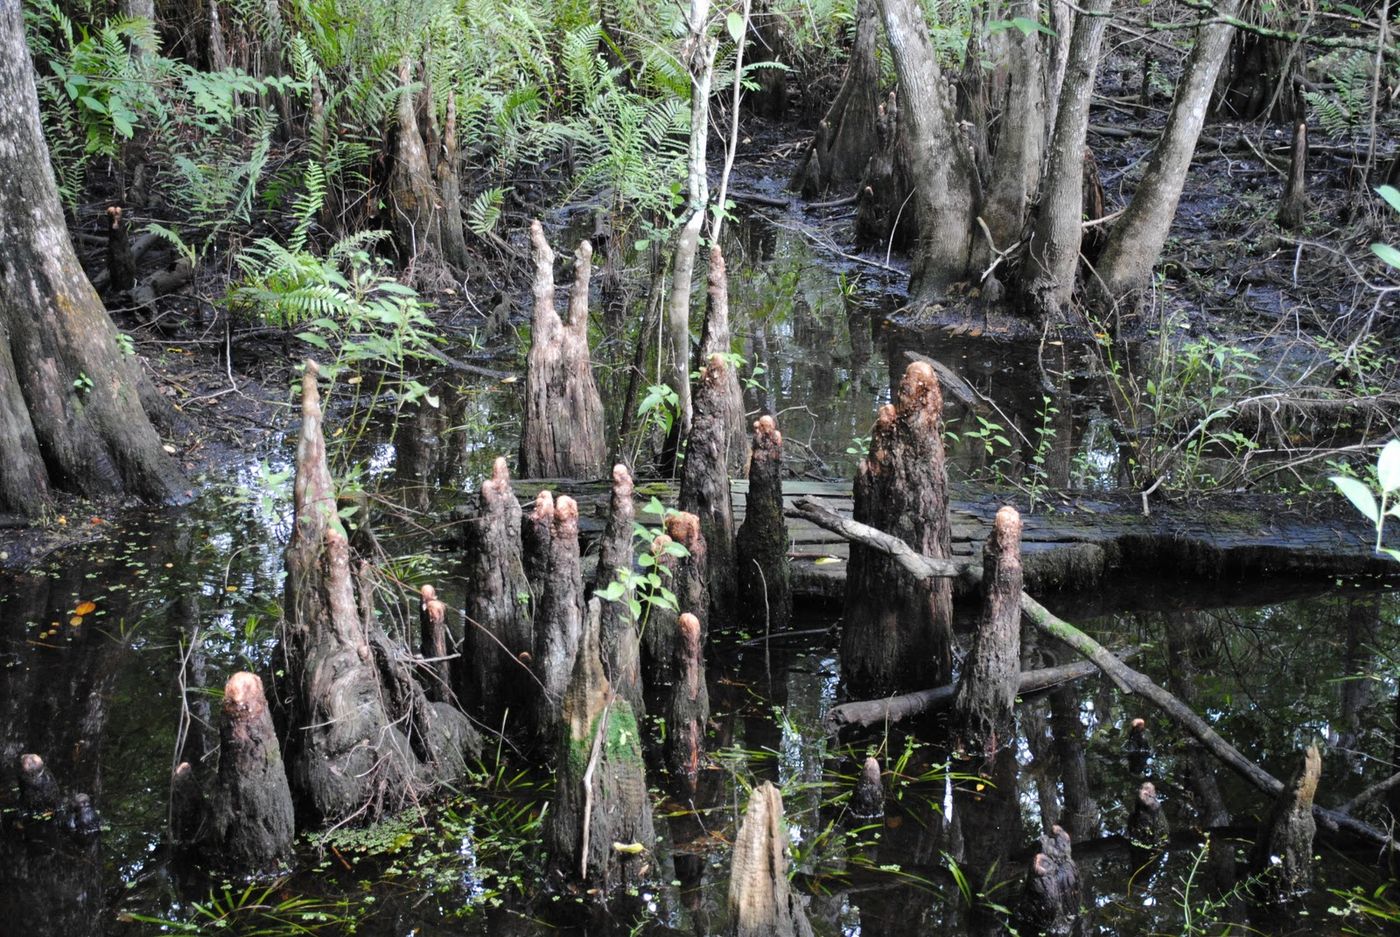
{"points": [[613, 592], [1359, 495], [316, 341], [735, 24], [1391, 195], [1388, 466], [1387, 253]]}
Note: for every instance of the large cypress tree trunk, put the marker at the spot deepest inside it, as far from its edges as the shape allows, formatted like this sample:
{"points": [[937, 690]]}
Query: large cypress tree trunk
{"points": [[71, 413], [940, 163], [1138, 237]]}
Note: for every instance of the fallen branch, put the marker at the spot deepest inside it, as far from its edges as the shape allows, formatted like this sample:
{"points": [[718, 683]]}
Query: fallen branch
{"points": [[906, 705], [1127, 679]]}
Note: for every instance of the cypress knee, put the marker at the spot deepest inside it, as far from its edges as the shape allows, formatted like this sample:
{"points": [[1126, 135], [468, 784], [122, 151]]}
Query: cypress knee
{"points": [[1283, 852], [869, 799], [599, 831], [38, 788], [562, 434], [898, 629], [621, 645], [761, 902], [1050, 899], [1147, 824], [250, 824], [499, 630], [432, 618], [705, 484], [689, 708], [1293, 211], [728, 397], [559, 615], [681, 556], [984, 717], [765, 575], [121, 262]]}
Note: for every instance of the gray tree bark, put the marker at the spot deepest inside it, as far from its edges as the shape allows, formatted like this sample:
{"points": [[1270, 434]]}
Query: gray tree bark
{"points": [[71, 404]]}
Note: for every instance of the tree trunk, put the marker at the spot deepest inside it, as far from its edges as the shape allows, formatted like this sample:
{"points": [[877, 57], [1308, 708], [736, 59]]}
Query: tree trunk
{"points": [[941, 165], [621, 645], [715, 340], [498, 632], [71, 404], [1047, 278], [761, 546], [563, 435], [898, 630], [705, 484], [413, 197], [984, 716], [846, 137], [1137, 238]]}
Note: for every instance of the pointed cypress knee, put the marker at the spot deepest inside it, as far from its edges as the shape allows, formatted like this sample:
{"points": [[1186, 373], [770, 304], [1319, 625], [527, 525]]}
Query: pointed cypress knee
{"points": [[599, 831], [38, 788], [761, 901], [898, 629], [622, 655], [869, 798], [1283, 853], [559, 615], [689, 708], [681, 556], [1147, 824], [535, 536], [984, 718], [250, 823], [705, 484], [1050, 898], [187, 807], [432, 620], [498, 637], [765, 575]]}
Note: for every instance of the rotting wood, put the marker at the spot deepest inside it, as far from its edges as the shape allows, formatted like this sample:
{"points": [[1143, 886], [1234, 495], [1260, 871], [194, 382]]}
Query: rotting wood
{"points": [[898, 631], [562, 433], [705, 489], [251, 824], [1283, 852], [621, 645], [761, 545], [1126, 679], [761, 901], [984, 718], [599, 831], [490, 673], [689, 708], [432, 623], [894, 709]]}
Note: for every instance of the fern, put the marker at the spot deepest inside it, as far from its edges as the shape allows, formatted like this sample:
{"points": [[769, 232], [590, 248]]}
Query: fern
{"points": [[485, 211]]}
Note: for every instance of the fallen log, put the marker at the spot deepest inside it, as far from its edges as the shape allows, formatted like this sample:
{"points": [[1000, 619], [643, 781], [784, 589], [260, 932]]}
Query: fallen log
{"points": [[906, 705], [1127, 679]]}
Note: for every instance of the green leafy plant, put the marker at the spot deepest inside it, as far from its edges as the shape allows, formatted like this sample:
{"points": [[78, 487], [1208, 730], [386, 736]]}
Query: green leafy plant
{"points": [[1364, 498]]}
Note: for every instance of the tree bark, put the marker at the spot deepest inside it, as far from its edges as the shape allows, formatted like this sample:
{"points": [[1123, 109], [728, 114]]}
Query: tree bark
{"points": [[761, 546], [715, 340], [1137, 238], [939, 159], [689, 708], [984, 717], [71, 413], [705, 488], [1051, 896], [761, 901], [563, 434], [846, 137], [1294, 209], [1283, 853], [898, 631], [1047, 280], [413, 197], [558, 614], [251, 826], [621, 645]]}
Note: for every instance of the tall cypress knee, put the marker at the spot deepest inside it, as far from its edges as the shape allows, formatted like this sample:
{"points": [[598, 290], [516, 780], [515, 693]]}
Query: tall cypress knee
{"points": [[983, 710], [705, 484], [765, 575], [559, 615], [621, 645], [898, 628], [251, 825]]}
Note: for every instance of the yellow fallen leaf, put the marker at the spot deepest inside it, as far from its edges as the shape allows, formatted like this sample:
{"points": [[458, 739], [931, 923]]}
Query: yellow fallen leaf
{"points": [[76, 620], [85, 608], [826, 560]]}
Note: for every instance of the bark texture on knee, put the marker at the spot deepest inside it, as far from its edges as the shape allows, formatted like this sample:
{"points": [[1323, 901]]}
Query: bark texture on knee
{"points": [[622, 653], [689, 707], [1050, 899], [499, 637], [599, 831], [251, 823], [685, 572], [984, 718], [761, 547], [1283, 854], [761, 901], [559, 614], [705, 485], [348, 685], [898, 629], [563, 434]]}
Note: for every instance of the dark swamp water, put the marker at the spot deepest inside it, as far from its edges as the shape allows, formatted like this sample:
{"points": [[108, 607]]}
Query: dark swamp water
{"points": [[179, 600]]}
